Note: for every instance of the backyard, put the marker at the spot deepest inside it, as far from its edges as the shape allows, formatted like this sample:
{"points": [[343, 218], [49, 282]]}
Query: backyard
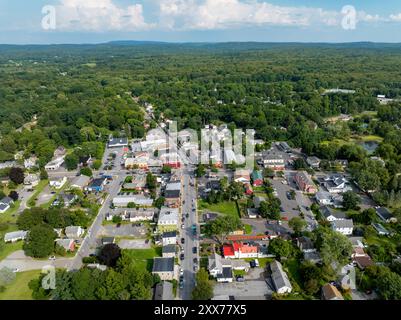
{"points": [[18, 289], [144, 257], [226, 207]]}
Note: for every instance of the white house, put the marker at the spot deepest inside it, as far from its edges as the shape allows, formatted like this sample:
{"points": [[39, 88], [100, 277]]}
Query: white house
{"points": [[15, 236], [138, 199], [5, 204], [169, 238], [54, 164], [346, 226], [31, 180], [220, 268], [332, 215], [57, 183], [168, 217], [336, 184], [280, 279], [74, 232], [30, 162]]}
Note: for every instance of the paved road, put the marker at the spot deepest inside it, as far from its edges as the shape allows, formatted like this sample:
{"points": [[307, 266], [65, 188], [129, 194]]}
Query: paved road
{"points": [[89, 244], [191, 241]]}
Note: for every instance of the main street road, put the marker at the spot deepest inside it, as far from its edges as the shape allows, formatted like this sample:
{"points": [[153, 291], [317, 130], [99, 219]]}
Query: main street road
{"points": [[189, 206]]}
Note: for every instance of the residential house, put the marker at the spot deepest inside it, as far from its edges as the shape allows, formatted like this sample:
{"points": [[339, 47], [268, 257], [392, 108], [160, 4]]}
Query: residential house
{"points": [[281, 282], [242, 175], [54, 164], [385, 215], [305, 244], [220, 268], [382, 231], [15, 236], [85, 161], [163, 291], [169, 251], [346, 226], [5, 204], [31, 162], [96, 185], [164, 268], [80, 182], [253, 213], [169, 237], [31, 181], [324, 198], [330, 292], [172, 198], [117, 142], [313, 162], [138, 183], [65, 199], [347, 277], [273, 161], [138, 199], [168, 219], [67, 244], [335, 183], [57, 183], [257, 178], [239, 250], [305, 183], [74, 232], [332, 215]]}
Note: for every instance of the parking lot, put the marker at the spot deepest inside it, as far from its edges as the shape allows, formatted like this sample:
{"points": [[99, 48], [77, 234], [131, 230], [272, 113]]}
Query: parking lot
{"points": [[45, 196], [290, 207], [125, 230], [134, 244], [253, 289]]}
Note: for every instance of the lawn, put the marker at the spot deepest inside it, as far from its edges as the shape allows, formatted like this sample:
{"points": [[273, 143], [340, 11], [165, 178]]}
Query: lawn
{"points": [[226, 207], [248, 229], [8, 224], [18, 290], [292, 265], [262, 261], [144, 257]]}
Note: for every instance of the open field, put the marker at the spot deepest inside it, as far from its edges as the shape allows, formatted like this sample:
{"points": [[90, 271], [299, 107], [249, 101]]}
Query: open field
{"points": [[227, 207], [144, 257], [18, 290]]}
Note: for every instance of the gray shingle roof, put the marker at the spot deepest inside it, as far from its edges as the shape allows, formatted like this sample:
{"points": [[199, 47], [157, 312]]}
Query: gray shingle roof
{"points": [[163, 265]]}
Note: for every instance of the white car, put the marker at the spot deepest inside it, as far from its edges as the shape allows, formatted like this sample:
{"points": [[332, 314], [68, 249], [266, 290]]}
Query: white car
{"points": [[183, 226], [52, 258], [181, 272], [15, 270]]}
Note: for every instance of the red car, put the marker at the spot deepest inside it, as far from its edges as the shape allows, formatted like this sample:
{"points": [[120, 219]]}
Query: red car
{"points": [[284, 218]]}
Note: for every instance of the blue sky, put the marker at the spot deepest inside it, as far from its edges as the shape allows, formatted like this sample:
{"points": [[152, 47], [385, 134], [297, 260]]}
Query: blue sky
{"points": [[94, 21]]}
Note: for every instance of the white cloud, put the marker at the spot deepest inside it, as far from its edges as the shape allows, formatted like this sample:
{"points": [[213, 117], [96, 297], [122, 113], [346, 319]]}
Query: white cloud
{"points": [[221, 14], [99, 15], [395, 17]]}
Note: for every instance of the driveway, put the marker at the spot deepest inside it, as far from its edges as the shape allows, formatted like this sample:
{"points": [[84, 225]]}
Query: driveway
{"points": [[45, 196]]}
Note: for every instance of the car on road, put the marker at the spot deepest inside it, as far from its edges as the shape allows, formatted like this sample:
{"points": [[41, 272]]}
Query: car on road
{"points": [[182, 257], [195, 260], [182, 285], [182, 240], [118, 225], [240, 279], [187, 215], [181, 272], [183, 226], [194, 250], [15, 270], [52, 258]]}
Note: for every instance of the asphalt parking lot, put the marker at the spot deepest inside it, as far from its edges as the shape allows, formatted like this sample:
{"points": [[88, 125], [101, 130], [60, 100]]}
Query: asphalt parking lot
{"points": [[290, 207], [247, 289], [44, 196], [134, 244], [125, 230]]}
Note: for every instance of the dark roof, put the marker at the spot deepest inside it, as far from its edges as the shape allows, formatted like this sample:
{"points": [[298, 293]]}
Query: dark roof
{"points": [[384, 213], [163, 264], [327, 212], [7, 200], [214, 184], [98, 182], [172, 194], [305, 243], [170, 248], [118, 141], [227, 272], [170, 234]]}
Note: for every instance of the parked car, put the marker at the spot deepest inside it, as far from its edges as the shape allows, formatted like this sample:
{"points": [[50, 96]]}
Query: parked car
{"points": [[240, 279], [182, 240], [194, 250], [195, 260], [182, 256], [187, 215]]}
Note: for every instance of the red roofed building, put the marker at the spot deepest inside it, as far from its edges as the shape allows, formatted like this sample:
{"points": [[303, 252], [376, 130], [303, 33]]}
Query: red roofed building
{"points": [[238, 250], [248, 189]]}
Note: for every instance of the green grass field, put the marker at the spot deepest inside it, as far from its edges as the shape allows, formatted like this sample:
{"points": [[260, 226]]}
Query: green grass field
{"points": [[227, 207], [18, 290], [144, 257], [8, 223]]}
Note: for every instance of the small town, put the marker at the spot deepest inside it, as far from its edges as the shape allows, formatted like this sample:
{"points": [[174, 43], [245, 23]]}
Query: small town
{"points": [[285, 229]]}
